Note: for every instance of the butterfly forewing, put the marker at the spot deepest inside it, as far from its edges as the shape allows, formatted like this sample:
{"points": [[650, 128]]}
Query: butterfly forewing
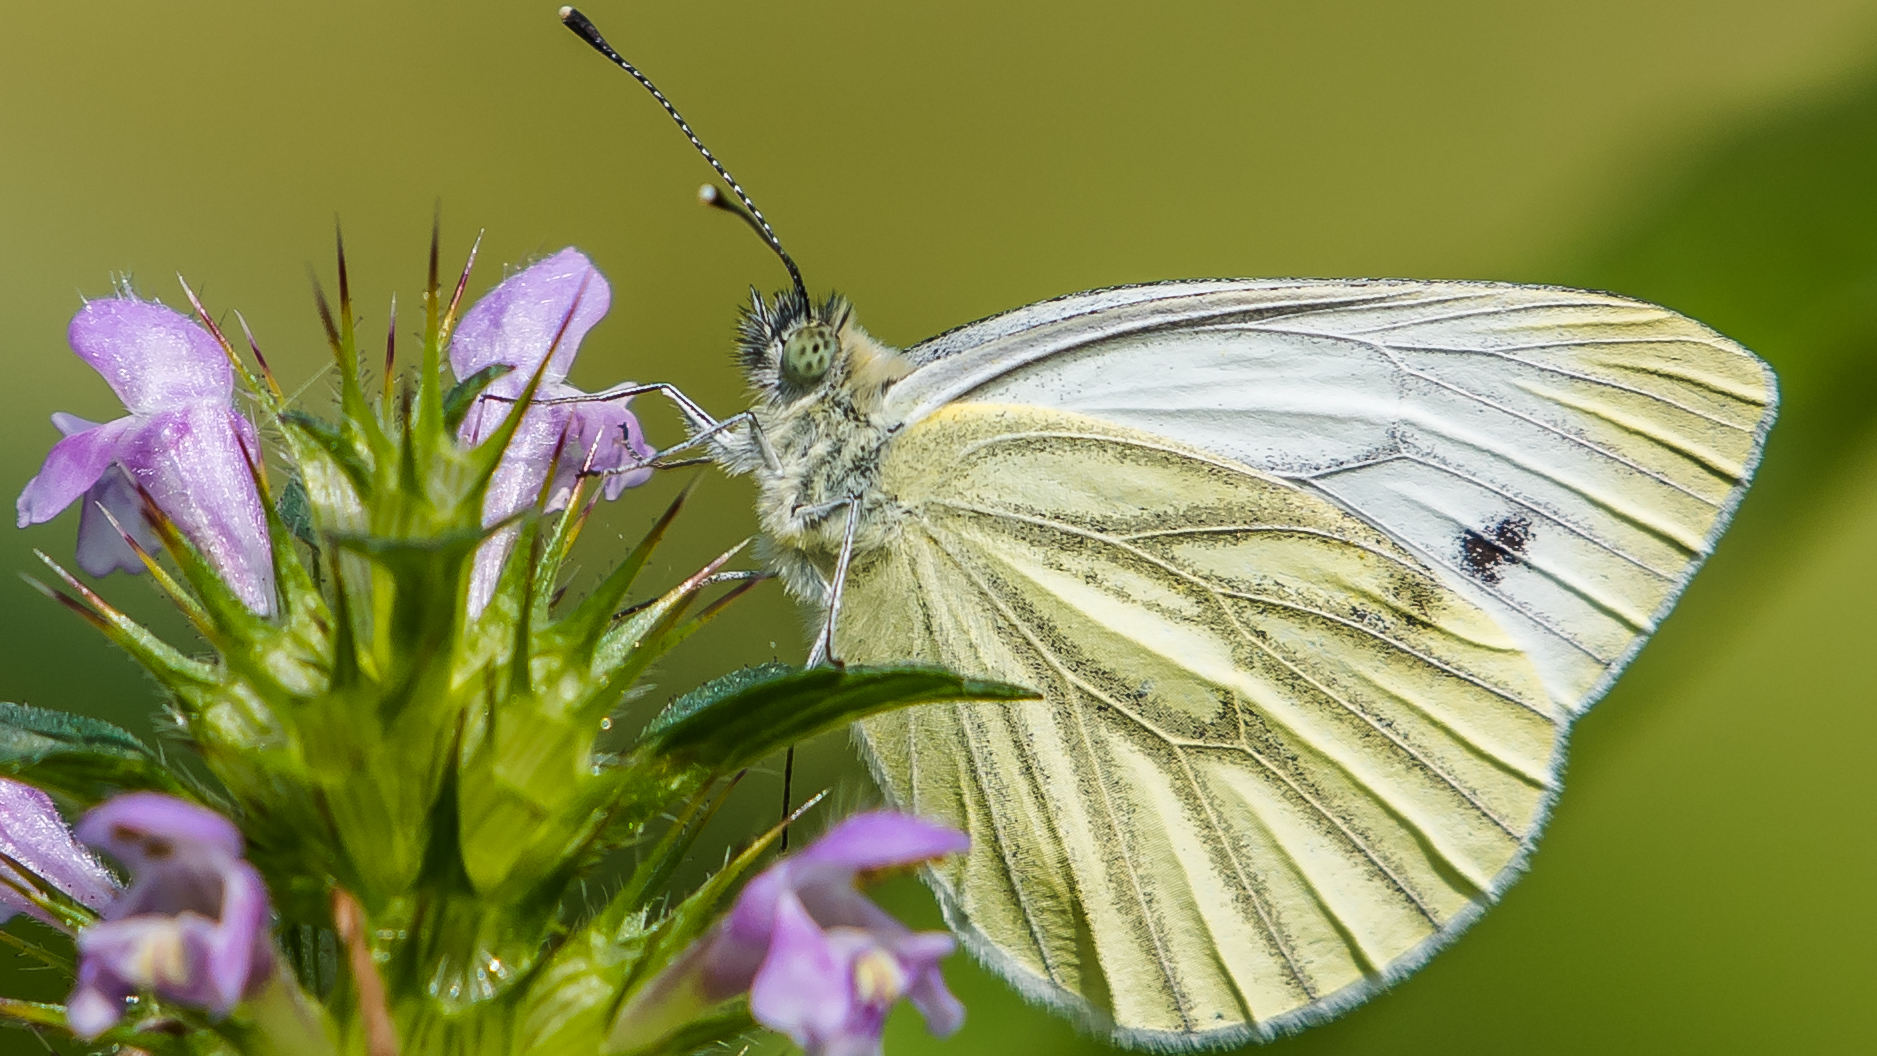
{"points": [[1564, 458], [1279, 755]]}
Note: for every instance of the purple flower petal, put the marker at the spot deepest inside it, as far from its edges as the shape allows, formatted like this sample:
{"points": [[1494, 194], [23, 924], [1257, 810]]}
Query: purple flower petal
{"points": [[884, 840], [154, 358], [803, 988], [609, 441], [142, 829], [67, 424], [517, 322], [821, 961], [143, 952], [97, 1002], [101, 546], [514, 487], [194, 462], [71, 468], [237, 946], [33, 834], [943, 1012]]}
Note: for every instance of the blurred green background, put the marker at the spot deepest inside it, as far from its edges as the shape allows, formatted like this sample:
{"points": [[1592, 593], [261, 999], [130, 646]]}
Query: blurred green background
{"points": [[1706, 883]]}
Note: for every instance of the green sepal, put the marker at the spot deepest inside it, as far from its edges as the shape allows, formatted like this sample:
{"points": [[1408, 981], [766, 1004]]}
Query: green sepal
{"points": [[573, 1005], [699, 910], [554, 550], [428, 577], [623, 639], [657, 865], [355, 412], [83, 758], [296, 648], [569, 1004], [38, 1014], [710, 1030], [24, 947], [738, 719], [531, 747], [588, 623], [665, 941], [19, 881], [581, 628], [177, 673], [462, 395], [331, 441], [230, 620]]}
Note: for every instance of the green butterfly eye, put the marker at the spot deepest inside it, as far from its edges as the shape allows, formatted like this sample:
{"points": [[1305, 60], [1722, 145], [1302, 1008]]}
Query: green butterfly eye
{"points": [[808, 353]]}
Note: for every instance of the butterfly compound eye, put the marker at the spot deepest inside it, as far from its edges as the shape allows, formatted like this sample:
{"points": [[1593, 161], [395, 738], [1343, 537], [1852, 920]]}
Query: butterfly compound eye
{"points": [[808, 353]]}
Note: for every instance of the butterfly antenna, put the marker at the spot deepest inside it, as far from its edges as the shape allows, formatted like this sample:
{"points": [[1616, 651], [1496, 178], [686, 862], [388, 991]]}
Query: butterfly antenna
{"points": [[584, 28]]}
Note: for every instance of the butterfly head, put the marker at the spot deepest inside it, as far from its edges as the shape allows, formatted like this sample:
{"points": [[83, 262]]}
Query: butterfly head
{"points": [[792, 348]]}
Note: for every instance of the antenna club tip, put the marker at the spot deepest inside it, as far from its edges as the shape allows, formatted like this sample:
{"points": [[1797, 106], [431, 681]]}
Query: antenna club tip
{"points": [[708, 195], [567, 12]]}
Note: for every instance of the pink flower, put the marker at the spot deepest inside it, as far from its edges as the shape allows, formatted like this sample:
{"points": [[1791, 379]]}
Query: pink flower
{"points": [[821, 962], [515, 325], [183, 443], [192, 927]]}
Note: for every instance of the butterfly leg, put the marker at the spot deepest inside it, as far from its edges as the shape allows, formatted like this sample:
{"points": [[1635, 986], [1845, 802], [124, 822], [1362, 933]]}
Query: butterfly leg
{"points": [[711, 433], [704, 427], [823, 651]]}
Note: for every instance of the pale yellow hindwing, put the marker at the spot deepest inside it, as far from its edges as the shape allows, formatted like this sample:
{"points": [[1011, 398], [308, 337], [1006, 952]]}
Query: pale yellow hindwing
{"points": [[1278, 760]]}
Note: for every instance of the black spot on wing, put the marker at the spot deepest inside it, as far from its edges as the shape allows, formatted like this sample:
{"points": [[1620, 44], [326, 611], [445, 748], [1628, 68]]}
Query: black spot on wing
{"points": [[1489, 551]]}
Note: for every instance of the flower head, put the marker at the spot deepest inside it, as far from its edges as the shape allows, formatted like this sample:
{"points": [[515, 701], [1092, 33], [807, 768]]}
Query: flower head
{"points": [[821, 962], [33, 834], [192, 927], [183, 443], [542, 312]]}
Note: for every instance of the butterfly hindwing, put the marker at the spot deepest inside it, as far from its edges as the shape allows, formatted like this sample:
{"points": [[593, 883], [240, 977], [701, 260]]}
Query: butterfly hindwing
{"points": [[1280, 757]]}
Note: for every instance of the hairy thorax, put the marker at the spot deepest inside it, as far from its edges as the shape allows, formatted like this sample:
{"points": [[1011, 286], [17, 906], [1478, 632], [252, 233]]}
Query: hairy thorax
{"points": [[828, 445]]}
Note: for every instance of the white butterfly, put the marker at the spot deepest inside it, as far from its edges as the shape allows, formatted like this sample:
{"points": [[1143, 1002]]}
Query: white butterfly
{"points": [[1313, 577]]}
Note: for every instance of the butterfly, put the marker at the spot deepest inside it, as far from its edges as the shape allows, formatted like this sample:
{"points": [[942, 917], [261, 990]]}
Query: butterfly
{"points": [[1313, 577]]}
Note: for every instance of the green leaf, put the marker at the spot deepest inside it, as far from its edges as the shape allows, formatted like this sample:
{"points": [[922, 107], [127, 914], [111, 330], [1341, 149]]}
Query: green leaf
{"points": [[295, 509], [462, 395], [713, 692], [84, 758], [740, 718]]}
